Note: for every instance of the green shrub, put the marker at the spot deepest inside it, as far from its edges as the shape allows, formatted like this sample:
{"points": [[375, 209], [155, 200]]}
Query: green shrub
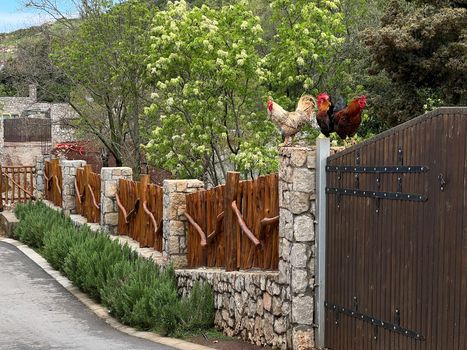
{"points": [[197, 311], [134, 289], [35, 220], [57, 244]]}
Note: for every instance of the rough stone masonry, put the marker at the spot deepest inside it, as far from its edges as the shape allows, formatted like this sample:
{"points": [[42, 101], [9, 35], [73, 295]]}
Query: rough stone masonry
{"points": [[297, 251], [273, 308]]}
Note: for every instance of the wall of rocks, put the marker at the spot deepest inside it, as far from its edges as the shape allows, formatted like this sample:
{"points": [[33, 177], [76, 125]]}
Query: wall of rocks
{"points": [[61, 114], [248, 304]]}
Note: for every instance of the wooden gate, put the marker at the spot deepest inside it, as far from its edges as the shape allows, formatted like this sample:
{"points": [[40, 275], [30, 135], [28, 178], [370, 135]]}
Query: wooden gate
{"points": [[396, 256], [88, 193], [16, 185], [53, 182]]}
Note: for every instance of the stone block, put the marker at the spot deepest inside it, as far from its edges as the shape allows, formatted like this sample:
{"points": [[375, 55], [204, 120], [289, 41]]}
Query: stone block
{"points": [[110, 188], [299, 255], [302, 309], [299, 281], [107, 205], [111, 219], [304, 228], [299, 202], [303, 180], [303, 338], [267, 301], [280, 325], [298, 157]]}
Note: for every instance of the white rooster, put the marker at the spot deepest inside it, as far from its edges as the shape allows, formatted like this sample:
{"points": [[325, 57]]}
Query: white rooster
{"points": [[290, 123]]}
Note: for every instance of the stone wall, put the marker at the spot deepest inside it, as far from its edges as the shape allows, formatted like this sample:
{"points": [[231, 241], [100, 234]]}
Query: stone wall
{"points": [[263, 307], [2, 136], [270, 308], [174, 222], [61, 114], [109, 184], [248, 304], [297, 251]]}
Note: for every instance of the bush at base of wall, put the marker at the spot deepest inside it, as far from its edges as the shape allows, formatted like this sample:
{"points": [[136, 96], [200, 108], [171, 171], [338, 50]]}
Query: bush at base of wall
{"points": [[134, 289]]}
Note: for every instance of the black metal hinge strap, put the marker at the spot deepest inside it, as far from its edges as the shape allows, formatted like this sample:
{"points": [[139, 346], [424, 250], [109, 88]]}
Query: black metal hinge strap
{"points": [[377, 169], [377, 194], [374, 321]]}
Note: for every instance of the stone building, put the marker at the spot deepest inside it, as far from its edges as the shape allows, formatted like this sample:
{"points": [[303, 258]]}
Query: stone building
{"points": [[21, 138]]}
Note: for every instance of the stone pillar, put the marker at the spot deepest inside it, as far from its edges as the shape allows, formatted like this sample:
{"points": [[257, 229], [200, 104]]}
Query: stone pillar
{"points": [[2, 138], [109, 185], [174, 222], [297, 240], [40, 164], [69, 168]]}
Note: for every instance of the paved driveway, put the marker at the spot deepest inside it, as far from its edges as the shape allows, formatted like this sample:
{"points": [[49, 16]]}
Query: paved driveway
{"points": [[38, 313]]}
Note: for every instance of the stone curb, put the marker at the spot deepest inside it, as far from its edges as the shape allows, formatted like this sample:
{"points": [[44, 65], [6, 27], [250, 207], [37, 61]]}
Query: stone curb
{"points": [[96, 308]]}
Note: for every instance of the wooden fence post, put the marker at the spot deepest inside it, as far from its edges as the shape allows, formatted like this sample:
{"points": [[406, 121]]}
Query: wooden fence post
{"points": [[87, 193], [142, 220], [231, 230]]}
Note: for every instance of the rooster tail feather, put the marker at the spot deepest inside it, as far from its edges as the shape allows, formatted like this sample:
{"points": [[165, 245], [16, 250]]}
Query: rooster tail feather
{"points": [[340, 105], [307, 104]]}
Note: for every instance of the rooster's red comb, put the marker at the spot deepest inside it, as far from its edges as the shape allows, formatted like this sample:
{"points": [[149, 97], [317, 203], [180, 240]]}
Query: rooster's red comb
{"points": [[323, 96]]}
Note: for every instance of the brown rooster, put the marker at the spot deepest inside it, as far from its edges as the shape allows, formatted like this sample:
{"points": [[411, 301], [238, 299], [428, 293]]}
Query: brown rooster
{"points": [[325, 117], [290, 123], [348, 119]]}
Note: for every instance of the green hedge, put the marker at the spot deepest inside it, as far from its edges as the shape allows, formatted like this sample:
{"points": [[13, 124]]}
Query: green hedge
{"points": [[134, 289]]}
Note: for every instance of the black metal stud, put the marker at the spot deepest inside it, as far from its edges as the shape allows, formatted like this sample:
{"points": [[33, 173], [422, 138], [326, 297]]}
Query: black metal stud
{"points": [[400, 155]]}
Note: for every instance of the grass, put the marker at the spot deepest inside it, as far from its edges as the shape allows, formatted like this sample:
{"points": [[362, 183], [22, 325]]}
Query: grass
{"points": [[134, 289]]}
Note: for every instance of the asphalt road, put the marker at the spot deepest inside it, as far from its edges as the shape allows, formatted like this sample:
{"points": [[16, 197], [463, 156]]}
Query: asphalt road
{"points": [[38, 313]]}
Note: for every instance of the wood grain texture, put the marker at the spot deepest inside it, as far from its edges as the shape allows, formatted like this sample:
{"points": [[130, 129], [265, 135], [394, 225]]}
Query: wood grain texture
{"points": [[142, 216], [401, 261], [53, 181], [88, 194], [232, 237]]}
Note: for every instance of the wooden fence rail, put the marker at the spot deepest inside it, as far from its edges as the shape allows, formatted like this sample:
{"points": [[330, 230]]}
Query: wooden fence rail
{"points": [[140, 211], [16, 184], [88, 193], [236, 225], [53, 182]]}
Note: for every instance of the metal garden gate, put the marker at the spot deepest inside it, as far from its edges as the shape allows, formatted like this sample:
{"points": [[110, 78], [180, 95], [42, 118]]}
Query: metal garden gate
{"points": [[396, 239]]}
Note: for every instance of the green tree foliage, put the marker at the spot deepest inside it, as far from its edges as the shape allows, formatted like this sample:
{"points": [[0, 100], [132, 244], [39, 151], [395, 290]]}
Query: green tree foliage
{"points": [[208, 73], [104, 58], [422, 47], [307, 34]]}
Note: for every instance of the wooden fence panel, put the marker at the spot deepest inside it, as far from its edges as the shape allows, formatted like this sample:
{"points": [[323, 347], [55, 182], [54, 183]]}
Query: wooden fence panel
{"points": [[140, 211], [16, 184], [53, 182], [207, 209], [88, 194], [235, 226]]}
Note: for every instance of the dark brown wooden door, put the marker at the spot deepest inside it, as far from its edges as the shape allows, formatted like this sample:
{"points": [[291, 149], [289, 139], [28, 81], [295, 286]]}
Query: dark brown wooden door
{"points": [[396, 263]]}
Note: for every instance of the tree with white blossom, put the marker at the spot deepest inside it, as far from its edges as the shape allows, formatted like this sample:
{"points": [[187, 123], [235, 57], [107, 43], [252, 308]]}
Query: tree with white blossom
{"points": [[209, 96]]}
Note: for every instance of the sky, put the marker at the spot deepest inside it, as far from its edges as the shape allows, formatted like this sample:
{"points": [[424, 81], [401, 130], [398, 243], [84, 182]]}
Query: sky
{"points": [[13, 15]]}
